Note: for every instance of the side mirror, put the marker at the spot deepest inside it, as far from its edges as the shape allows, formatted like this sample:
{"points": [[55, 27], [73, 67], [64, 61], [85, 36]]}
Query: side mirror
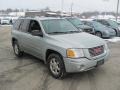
{"points": [[37, 33]]}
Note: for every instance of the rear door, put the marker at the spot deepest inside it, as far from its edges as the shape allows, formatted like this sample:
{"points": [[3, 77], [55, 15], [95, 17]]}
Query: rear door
{"points": [[16, 33], [23, 28]]}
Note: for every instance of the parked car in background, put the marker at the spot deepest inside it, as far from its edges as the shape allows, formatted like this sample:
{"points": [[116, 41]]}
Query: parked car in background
{"points": [[111, 24], [118, 22], [79, 25], [13, 21], [5, 21], [101, 30], [59, 44]]}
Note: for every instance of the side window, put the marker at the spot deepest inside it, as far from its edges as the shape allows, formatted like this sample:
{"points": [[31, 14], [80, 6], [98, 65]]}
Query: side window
{"points": [[105, 23], [34, 25], [24, 25], [89, 24], [17, 24], [84, 22]]}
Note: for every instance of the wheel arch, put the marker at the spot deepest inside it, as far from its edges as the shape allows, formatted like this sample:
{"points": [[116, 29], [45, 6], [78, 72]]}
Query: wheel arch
{"points": [[13, 40], [49, 51], [99, 32]]}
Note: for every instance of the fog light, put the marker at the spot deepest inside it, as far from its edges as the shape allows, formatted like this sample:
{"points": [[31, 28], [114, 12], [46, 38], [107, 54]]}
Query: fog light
{"points": [[81, 67]]}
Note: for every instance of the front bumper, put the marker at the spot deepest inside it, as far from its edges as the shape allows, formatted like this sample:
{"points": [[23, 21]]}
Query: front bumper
{"points": [[109, 35], [82, 64]]}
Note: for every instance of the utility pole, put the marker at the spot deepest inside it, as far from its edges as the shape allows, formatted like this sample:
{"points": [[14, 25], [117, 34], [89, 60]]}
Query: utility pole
{"points": [[62, 7], [117, 12], [71, 8]]}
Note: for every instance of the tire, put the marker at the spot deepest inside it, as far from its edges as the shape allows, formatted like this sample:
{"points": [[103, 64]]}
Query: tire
{"points": [[116, 33], [99, 34], [17, 50], [56, 66]]}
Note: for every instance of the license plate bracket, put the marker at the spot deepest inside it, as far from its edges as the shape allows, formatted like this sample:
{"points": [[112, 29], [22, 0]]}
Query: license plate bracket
{"points": [[101, 62]]}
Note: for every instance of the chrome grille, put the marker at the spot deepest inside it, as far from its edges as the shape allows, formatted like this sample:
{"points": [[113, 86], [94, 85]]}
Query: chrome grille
{"points": [[96, 51]]}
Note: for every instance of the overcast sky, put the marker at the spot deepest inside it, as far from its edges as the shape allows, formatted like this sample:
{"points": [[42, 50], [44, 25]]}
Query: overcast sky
{"points": [[78, 6]]}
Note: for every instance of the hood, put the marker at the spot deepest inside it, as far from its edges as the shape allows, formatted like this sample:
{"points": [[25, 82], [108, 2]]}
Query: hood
{"points": [[108, 29], [103, 29], [111, 30], [114, 26], [78, 40]]}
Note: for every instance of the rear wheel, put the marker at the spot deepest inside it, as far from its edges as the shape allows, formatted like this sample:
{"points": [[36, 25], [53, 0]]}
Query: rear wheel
{"points": [[56, 66], [99, 34], [16, 49]]}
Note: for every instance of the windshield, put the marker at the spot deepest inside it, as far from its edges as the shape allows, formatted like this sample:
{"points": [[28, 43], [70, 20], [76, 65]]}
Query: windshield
{"points": [[113, 23], [75, 21], [58, 26]]}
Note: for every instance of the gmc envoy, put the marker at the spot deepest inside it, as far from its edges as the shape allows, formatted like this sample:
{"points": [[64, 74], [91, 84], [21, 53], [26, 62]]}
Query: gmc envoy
{"points": [[57, 42]]}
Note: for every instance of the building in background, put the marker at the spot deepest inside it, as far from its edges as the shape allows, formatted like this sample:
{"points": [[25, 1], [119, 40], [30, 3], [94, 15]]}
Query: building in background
{"points": [[17, 14]]}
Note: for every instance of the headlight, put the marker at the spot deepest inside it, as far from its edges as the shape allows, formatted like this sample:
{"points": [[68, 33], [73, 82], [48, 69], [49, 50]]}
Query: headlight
{"points": [[75, 53]]}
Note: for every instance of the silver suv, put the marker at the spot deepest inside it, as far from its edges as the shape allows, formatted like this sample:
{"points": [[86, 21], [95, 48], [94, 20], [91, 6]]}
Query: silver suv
{"points": [[59, 44]]}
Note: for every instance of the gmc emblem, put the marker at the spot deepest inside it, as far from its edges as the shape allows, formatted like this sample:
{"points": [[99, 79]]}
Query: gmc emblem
{"points": [[98, 50]]}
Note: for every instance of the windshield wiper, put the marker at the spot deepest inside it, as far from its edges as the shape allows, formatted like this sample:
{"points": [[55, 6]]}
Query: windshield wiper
{"points": [[56, 32], [64, 32], [73, 31]]}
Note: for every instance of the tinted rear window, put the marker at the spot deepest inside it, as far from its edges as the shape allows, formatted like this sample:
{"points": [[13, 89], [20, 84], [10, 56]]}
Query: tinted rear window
{"points": [[24, 25], [17, 24]]}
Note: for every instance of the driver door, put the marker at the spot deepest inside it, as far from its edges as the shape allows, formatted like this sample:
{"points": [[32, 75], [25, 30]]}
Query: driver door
{"points": [[35, 43]]}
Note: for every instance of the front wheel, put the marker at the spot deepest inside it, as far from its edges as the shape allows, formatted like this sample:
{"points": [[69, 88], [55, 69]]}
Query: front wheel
{"points": [[56, 66], [99, 34]]}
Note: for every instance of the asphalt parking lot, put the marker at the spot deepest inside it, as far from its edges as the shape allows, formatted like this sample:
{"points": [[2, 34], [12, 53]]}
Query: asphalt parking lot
{"points": [[29, 73]]}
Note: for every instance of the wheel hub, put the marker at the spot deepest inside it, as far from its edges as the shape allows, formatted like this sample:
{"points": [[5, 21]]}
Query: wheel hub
{"points": [[54, 66], [16, 49]]}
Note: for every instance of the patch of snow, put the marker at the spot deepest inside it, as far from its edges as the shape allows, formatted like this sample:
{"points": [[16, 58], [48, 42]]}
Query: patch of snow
{"points": [[115, 39]]}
